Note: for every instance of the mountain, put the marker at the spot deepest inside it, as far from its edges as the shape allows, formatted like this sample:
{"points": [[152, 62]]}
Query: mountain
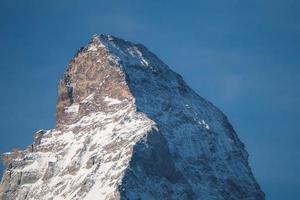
{"points": [[128, 127]]}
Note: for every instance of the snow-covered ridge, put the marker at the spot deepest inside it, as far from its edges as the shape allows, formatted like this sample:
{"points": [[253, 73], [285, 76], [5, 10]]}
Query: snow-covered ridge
{"points": [[123, 52]]}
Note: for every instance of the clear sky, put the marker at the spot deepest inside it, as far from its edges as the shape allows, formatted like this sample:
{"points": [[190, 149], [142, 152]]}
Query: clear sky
{"points": [[244, 56]]}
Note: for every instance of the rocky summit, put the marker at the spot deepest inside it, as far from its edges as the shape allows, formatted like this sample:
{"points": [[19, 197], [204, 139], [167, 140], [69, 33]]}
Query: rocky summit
{"points": [[130, 128]]}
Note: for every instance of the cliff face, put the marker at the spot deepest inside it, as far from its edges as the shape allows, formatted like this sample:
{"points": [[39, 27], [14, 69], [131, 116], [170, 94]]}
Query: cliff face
{"points": [[128, 127]]}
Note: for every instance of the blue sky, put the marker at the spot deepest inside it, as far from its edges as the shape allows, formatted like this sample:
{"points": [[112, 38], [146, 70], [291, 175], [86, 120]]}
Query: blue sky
{"points": [[241, 55]]}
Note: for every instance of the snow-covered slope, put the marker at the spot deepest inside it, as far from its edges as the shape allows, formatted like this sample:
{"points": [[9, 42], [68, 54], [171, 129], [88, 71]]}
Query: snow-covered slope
{"points": [[128, 127]]}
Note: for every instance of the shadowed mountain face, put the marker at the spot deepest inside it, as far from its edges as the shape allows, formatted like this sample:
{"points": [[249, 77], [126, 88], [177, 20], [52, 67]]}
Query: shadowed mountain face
{"points": [[128, 127]]}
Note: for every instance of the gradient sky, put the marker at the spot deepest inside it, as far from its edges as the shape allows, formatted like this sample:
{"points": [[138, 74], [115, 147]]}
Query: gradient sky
{"points": [[244, 56]]}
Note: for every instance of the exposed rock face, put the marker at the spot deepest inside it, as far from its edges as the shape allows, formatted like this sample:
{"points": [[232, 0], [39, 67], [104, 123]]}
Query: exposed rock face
{"points": [[128, 127]]}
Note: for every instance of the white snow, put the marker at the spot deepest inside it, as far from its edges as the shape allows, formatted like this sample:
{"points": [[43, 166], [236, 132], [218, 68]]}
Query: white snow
{"points": [[74, 108], [137, 55], [88, 98], [92, 48], [111, 101], [205, 124], [130, 55], [95, 46]]}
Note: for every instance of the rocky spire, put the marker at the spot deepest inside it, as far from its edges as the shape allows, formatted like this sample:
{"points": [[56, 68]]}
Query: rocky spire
{"points": [[92, 74]]}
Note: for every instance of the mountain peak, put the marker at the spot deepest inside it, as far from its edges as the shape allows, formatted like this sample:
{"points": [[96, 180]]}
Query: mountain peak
{"points": [[102, 39], [100, 66], [128, 127]]}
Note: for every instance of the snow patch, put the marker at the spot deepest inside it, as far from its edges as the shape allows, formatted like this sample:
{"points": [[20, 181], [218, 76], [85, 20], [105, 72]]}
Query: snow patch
{"points": [[88, 98], [74, 108], [111, 101], [92, 48], [206, 126], [137, 54]]}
